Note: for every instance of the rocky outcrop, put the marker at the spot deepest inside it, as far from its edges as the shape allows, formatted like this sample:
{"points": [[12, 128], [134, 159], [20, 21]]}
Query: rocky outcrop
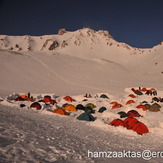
{"points": [[61, 31]]}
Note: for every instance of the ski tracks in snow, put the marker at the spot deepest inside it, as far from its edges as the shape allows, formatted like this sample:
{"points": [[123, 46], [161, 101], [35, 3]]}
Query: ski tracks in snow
{"points": [[62, 78]]}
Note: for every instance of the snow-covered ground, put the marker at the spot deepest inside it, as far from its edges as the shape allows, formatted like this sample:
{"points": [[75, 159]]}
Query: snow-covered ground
{"points": [[91, 62]]}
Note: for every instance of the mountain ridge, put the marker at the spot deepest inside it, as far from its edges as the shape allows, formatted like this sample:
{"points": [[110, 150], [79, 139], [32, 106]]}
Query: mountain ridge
{"points": [[65, 39]]}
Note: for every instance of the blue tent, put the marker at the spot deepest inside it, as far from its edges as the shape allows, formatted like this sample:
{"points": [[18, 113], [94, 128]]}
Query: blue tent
{"points": [[102, 109], [86, 117]]}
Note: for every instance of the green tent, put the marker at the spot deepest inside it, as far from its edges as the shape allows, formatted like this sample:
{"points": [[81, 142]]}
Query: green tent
{"points": [[104, 96], [90, 105]]}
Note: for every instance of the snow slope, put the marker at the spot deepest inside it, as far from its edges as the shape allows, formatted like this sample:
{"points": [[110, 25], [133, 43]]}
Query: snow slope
{"points": [[29, 135], [75, 63]]}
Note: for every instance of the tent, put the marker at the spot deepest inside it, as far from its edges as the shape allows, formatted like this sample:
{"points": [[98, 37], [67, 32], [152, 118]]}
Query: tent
{"points": [[116, 106], [130, 102], [89, 109], [122, 114], [104, 96], [80, 107], [52, 102], [148, 106], [155, 107], [139, 93], [130, 122], [24, 96], [36, 105], [155, 99], [70, 108], [19, 98], [13, 97], [60, 111], [114, 102], [86, 117], [142, 107], [133, 113], [140, 128], [68, 98], [132, 96], [91, 105], [117, 122], [144, 102], [47, 99], [144, 89], [47, 96], [102, 109]]}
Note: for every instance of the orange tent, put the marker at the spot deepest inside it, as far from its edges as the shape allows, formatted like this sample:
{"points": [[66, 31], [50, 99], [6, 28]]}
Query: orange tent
{"points": [[68, 98], [60, 111], [24, 97], [114, 102], [130, 102], [116, 106], [70, 107], [132, 96], [144, 89], [142, 107]]}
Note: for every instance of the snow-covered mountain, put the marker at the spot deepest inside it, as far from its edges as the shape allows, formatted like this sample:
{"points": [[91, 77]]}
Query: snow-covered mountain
{"points": [[76, 63], [80, 61]]}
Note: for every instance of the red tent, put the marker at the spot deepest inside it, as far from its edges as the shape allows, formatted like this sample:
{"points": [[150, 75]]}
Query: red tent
{"points": [[36, 105], [52, 102], [133, 113], [132, 96], [130, 102], [68, 98], [140, 128], [144, 89], [47, 99], [114, 102], [116, 106], [142, 107], [130, 122], [117, 122]]}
